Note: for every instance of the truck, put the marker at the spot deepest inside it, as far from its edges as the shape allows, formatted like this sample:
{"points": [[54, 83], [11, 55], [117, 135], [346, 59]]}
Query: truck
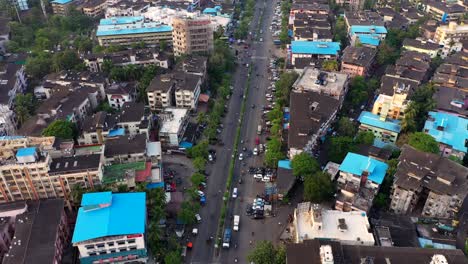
{"points": [[236, 222], [259, 130], [227, 238]]}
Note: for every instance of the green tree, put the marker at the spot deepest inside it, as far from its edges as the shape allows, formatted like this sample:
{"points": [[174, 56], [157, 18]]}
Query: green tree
{"points": [[187, 212], [365, 137], [339, 147], [66, 60], [340, 32], [199, 150], [330, 65], [173, 257], [387, 54], [266, 253], [61, 129], [199, 163], [122, 188], [24, 107], [304, 165], [197, 178], [346, 127], [423, 142], [38, 66], [318, 187]]}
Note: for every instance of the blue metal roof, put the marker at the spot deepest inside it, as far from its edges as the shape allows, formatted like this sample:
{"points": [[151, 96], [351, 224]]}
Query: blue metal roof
{"points": [[368, 29], [121, 20], [371, 39], [453, 129], [96, 198], [61, 2], [285, 164], [155, 185], [126, 215], [185, 144], [23, 152], [356, 164], [371, 119], [11, 137], [210, 10], [315, 47], [141, 28], [116, 132]]}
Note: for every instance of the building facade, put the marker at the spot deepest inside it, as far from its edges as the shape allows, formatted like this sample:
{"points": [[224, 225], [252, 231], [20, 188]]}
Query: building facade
{"points": [[451, 37], [384, 129], [192, 35], [357, 61]]}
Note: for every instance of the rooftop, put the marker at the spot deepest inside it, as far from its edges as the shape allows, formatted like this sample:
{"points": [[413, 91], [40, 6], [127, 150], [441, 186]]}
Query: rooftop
{"points": [[62, 2], [369, 39], [24, 152], [330, 83], [448, 129], [75, 164], [315, 47], [129, 25], [452, 100], [347, 227], [362, 56], [356, 29], [357, 164], [425, 45], [124, 215], [120, 172], [125, 145], [173, 123], [374, 120]]}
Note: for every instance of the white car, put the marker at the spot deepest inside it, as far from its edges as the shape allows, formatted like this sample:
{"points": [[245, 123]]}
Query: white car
{"points": [[258, 176], [241, 156], [266, 179], [255, 151], [234, 193], [198, 217], [200, 193]]}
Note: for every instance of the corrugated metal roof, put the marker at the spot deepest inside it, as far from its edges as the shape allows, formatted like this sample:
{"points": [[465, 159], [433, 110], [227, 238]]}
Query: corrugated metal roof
{"points": [[370, 119], [315, 47], [453, 129], [356, 164]]}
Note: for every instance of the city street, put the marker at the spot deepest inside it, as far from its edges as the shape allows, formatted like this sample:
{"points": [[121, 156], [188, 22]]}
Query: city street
{"points": [[204, 252]]}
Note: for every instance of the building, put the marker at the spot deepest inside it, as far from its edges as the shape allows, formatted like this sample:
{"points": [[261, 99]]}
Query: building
{"points": [[139, 57], [22, 5], [13, 81], [367, 35], [311, 114], [29, 172], [443, 11], [328, 252], [41, 231], [411, 66], [351, 4], [125, 149], [358, 61], [160, 92], [187, 90], [94, 8], [451, 37], [312, 221], [384, 129], [312, 27], [111, 227], [359, 181], [333, 84], [126, 8], [428, 182], [450, 131], [309, 8], [363, 18], [452, 100], [120, 93], [174, 121], [61, 7], [124, 31], [452, 73], [422, 46], [392, 105], [312, 51], [192, 35], [195, 65]]}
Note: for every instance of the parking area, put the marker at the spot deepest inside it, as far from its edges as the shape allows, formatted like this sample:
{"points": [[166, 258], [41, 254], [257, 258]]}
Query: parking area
{"points": [[177, 172]]}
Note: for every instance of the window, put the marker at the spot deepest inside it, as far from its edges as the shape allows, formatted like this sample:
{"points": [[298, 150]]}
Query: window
{"points": [[112, 251], [93, 254], [122, 249], [121, 242], [131, 241], [110, 244], [100, 245], [132, 248], [102, 252], [89, 246]]}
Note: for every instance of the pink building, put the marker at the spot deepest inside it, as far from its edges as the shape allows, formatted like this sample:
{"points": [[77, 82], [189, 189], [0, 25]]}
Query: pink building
{"points": [[357, 61]]}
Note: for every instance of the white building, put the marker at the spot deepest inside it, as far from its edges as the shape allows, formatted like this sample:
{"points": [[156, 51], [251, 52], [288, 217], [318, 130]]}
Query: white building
{"points": [[333, 84], [120, 93], [173, 124], [349, 228]]}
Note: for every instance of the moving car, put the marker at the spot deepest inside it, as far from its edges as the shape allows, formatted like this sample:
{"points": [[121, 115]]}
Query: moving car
{"points": [[241, 156], [234, 193]]}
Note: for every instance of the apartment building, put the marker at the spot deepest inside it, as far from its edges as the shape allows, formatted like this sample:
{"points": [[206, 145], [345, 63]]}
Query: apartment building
{"points": [[120, 93], [187, 90], [385, 130], [357, 61], [451, 37], [192, 35], [160, 92], [312, 27], [452, 74], [304, 53], [422, 46], [312, 221], [351, 4], [61, 7], [392, 104], [126, 8], [94, 8], [125, 31], [40, 231], [424, 179], [125, 149], [358, 182], [367, 35], [332, 84], [140, 57], [118, 237], [29, 172], [174, 121], [450, 131], [444, 11]]}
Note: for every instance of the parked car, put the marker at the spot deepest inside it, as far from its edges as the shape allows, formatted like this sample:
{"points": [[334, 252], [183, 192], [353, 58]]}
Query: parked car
{"points": [[241, 156], [198, 217], [234, 193], [255, 151]]}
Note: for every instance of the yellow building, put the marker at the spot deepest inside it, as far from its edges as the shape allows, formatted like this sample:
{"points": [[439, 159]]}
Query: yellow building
{"points": [[192, 35], [94, 8], [392, 106], [451, 37]]}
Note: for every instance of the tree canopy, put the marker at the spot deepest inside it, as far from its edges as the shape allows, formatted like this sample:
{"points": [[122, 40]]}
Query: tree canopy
{"points": [[346, 127], [330, 65], [365, 137], [61, 129], [423, 142], [24, 107], [304, 165], [318, 187], [266, 253], [339, 147]]}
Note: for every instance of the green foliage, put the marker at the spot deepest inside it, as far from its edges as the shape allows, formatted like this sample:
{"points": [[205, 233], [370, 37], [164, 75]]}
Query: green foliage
{"points": [[66, 60], [387, 54], [304, 165], [423, 142], [346, 127], [340, 32], [197, 178], [24, 107], [359, 92], [330, 65], [266, 253], [339, 147], [104, 106], [365, 137], [421, 102], [318, 187], [122, 188], [456, 159], [273, 154], [285, 9], [187, 212], [38, 66], [173, 257], [61, 129], [242, 31], [199, 150], [199, 163]]}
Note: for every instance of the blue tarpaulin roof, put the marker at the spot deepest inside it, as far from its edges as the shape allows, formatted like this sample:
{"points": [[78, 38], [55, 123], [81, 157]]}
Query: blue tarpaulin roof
{"points": [[96, 198], [427, 242], [285, 164], [368, 29], [116, 132], [61, 2], [356, 164], [22, 152], [369, 39], [185, 144], [448, 129], [315, 47], [125, 215], [371, 119], [155, 185], [11, 137]]}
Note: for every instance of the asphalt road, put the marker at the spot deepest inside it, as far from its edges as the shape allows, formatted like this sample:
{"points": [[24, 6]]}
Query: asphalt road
{"points": [[202, 251]]}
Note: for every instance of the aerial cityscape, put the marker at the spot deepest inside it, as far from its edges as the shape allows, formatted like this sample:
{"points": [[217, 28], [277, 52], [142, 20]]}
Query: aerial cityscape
{"points": [[234, 131]]}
